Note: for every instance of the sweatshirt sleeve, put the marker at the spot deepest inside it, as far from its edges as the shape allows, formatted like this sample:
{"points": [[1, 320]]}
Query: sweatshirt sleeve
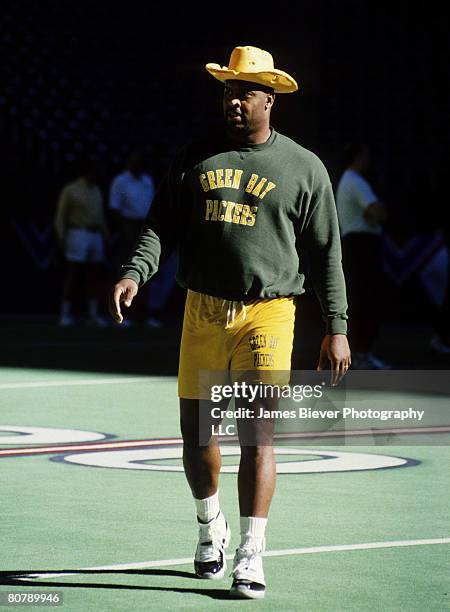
{"points": [[325, 260], [160, 233]]}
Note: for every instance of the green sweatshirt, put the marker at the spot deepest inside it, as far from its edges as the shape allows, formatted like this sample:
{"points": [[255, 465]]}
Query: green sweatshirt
{"points": [[248, 223]]}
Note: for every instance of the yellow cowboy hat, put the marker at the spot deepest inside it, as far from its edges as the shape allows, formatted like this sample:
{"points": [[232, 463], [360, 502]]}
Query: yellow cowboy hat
{"points": [[254, 65]]}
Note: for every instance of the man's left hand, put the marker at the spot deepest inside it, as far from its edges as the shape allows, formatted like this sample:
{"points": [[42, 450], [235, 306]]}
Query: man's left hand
{"points": [[335, 349]]}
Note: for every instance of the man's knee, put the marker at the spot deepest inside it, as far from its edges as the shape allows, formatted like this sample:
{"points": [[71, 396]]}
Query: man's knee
{"points": [[256, 452], [198, 423], [195, 436], [189, 421], [255, 434]]}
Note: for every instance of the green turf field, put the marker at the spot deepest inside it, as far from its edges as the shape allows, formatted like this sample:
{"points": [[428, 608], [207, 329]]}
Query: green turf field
{"points": [[354, 540]]}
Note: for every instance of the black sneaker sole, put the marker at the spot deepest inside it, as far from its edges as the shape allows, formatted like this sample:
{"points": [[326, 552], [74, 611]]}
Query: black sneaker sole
{"points": [[211, 570], [247, 590]]}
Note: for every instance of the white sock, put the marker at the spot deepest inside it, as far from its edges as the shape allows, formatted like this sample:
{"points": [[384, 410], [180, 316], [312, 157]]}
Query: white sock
{"points": [[93, 308], [208, 508], [253, 529]]}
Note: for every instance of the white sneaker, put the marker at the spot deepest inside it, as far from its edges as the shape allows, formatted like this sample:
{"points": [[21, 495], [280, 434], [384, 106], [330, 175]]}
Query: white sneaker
{"points": [[213, 538], [66, 321], [378, 364], [248, 573], [439, 346], [153, 323]]}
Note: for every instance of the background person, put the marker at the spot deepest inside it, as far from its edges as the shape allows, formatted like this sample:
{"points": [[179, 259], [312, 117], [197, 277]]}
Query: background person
{"points": [[130, 198], [361, 215], [81, 229]]}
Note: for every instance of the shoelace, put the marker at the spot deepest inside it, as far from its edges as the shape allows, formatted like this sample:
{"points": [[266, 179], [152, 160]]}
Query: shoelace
{"points": [[243, 565], [231, 311], [210, 541], [246, 559]]}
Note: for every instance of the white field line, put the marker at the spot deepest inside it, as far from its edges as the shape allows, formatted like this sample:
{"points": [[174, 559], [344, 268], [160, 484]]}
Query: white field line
{"points": [[78, 383], [9, 452], [269, 553], [114, 445], [365, 432]]}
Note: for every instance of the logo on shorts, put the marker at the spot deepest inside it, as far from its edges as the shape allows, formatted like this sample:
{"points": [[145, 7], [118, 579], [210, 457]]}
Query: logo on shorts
{"points": [[259, 341], [265, 360]]}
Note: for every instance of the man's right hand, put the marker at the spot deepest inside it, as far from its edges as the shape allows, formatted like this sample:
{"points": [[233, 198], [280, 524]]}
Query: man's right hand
{"points": [[123, 292]]}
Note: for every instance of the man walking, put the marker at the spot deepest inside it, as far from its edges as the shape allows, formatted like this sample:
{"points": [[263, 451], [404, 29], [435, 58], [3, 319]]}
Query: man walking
{"points": [[248, 209], [361, 215], [131, 195]]}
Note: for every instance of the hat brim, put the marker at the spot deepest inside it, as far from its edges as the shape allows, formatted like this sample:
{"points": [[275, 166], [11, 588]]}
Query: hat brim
{"points": [[279, 81]]}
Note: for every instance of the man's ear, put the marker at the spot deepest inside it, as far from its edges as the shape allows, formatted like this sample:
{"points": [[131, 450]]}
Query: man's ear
{"points": [[270, 99]]}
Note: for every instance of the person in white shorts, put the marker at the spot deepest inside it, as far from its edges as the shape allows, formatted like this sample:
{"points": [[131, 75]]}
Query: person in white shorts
{"points": [[81, 229]]}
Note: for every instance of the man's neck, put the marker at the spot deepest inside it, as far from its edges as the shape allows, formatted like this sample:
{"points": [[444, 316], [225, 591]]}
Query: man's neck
{"points": [[254, 138], [356, 167]]}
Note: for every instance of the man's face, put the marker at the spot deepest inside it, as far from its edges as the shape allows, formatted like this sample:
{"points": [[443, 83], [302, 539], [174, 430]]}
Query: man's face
{"points": [[136, 164], [246, 107]]}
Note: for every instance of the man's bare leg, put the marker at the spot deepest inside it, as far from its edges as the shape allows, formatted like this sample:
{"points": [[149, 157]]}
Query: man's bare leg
{"points": [[202, 466], [256, 484], [257, 468], [201, 463], [256, 480]]}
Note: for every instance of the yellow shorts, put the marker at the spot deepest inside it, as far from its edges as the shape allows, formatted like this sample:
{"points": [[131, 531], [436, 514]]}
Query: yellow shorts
{"points": [[249, 341]]}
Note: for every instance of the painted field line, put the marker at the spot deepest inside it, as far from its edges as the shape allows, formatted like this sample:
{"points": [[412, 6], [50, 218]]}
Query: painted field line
{"points": [[117, 445], [269, 553], [92, 446], [366, 432], [78, 383]]}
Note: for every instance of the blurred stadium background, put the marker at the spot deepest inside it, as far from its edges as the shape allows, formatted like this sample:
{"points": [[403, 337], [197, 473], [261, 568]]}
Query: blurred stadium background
{"points": [[99, 79]]}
